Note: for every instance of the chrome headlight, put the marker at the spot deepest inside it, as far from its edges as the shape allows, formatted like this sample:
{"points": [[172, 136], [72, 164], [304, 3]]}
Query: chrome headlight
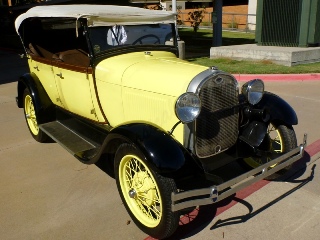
{"points": [[188, 107], [253, 90]]}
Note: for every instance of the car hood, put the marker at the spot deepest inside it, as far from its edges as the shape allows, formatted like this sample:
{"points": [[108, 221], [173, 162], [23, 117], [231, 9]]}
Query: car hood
{"points": [[158, 72]]}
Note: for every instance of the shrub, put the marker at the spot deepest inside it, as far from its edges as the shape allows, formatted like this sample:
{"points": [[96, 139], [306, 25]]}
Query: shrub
{"points": [[195, 18]]}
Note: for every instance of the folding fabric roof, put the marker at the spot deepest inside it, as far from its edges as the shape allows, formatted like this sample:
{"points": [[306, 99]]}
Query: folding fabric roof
{"points": [[98, 15]]}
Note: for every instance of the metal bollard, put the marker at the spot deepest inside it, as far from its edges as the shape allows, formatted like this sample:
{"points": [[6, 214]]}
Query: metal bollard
{"points": [[181, 47]]}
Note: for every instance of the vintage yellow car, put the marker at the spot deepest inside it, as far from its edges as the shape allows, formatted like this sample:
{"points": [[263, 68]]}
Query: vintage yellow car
{"points": [[106, 83]]}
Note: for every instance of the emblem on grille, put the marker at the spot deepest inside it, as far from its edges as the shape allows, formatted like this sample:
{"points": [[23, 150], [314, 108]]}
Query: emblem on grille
{"points": [[218, 80]]}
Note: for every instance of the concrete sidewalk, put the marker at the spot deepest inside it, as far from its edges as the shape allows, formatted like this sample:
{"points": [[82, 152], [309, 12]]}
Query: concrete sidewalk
{"points": [[287, 56]]}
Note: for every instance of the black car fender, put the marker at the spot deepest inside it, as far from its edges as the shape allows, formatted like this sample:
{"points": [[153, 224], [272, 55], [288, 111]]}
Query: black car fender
{"points": [[164, 154], [279, 109], [41, 100], [271, 108]]}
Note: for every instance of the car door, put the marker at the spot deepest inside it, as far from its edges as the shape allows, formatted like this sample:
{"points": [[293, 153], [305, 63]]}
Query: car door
{"points": [[41, 69], [75, 83]]}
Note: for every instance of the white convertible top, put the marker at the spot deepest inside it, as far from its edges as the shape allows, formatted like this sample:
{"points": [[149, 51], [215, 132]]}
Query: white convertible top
{"points": [[98, 15]]}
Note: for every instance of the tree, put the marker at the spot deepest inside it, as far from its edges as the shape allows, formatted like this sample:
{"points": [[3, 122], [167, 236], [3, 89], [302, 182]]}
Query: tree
{"points": [[195, 18]]}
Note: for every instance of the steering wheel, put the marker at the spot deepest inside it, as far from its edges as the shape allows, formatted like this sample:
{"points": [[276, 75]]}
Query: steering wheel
{"points": [[139, 40]]}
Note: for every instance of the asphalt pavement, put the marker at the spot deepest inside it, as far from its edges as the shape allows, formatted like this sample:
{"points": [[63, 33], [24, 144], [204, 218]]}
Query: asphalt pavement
{"points": [[48, 194]]}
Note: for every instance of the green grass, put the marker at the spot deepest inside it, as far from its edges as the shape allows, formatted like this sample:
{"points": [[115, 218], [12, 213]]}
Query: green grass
{"points": [[202, 41], [255, 67], [205, 36]]}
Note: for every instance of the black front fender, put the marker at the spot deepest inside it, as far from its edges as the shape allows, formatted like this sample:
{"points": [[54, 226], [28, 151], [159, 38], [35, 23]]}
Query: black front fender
{"points": [[278, 108], [162, 151]]}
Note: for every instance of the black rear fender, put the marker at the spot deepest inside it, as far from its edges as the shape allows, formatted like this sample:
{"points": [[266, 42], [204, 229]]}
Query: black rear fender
{"points": [[43, 106]]}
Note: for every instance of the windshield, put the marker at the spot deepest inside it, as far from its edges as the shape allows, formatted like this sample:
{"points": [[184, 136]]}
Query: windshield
{"points": [[108, 37]]}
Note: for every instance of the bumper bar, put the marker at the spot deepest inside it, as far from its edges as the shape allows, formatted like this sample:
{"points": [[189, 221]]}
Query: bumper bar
{"points": [[217, 193]]}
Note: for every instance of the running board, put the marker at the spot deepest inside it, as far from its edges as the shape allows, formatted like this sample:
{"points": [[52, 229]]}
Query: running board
{"points": [[75, 143]]}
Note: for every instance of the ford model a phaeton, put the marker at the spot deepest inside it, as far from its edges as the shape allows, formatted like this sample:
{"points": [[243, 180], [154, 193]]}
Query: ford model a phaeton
{"points": [[106, 83]]}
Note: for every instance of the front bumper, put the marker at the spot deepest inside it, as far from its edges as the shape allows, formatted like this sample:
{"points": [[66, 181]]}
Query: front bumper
{"points": [[217, 193]]}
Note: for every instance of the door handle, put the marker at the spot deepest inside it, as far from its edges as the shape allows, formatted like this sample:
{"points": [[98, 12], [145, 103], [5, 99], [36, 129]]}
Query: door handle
{"points": [[59, 75], [36, 68]]}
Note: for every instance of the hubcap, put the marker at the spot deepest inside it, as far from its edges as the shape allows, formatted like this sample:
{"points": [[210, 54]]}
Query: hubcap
{"points": [[145, 187], [132, 193]]}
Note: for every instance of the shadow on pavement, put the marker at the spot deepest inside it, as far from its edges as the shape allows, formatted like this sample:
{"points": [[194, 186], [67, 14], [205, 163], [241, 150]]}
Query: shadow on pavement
{"points": [[197, 220], [297, 170], [251, 214], [106, 165]]}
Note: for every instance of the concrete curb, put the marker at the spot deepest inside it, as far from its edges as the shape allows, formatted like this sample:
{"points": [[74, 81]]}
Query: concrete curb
{"points": [[279, 77]]}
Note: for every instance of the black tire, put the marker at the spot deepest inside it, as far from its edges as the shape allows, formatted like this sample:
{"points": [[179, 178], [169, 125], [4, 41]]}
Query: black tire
{"points": [[279, 139], [148, 199], [31, 117]]}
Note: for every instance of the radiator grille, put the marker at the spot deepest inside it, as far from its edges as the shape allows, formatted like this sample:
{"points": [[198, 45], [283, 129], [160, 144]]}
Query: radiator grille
{"points": [[217, 125]]}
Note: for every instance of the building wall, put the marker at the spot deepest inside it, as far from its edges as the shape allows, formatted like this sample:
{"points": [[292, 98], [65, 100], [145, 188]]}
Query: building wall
{"points": [[234, 16], [167, 5]]}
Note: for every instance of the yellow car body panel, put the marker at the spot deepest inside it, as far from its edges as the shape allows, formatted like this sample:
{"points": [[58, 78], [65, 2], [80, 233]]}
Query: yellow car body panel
{"points": [[44, 73], [75, 92], [131, 94]]}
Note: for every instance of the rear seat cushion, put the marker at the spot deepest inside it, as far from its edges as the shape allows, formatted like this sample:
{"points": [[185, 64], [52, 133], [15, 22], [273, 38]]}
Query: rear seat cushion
{"points": [[33, 51], [38, 51]]}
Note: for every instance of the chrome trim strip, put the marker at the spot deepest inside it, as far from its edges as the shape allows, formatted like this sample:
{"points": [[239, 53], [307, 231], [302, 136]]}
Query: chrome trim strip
{"points": [[201, 77], [236, 183]]}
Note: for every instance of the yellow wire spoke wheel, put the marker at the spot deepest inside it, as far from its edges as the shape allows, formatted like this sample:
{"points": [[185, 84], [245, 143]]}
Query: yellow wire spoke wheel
{"points": [[30, 115], [140, 190], [279, 139], [275, 144], [145, 193]]}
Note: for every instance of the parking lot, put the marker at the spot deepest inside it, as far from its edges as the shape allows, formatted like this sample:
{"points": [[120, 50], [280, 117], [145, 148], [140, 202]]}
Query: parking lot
{"points": [[47, 194]]}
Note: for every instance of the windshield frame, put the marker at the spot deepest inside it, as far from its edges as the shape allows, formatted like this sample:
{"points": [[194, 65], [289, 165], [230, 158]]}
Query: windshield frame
{"points": [[103, 52]]}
